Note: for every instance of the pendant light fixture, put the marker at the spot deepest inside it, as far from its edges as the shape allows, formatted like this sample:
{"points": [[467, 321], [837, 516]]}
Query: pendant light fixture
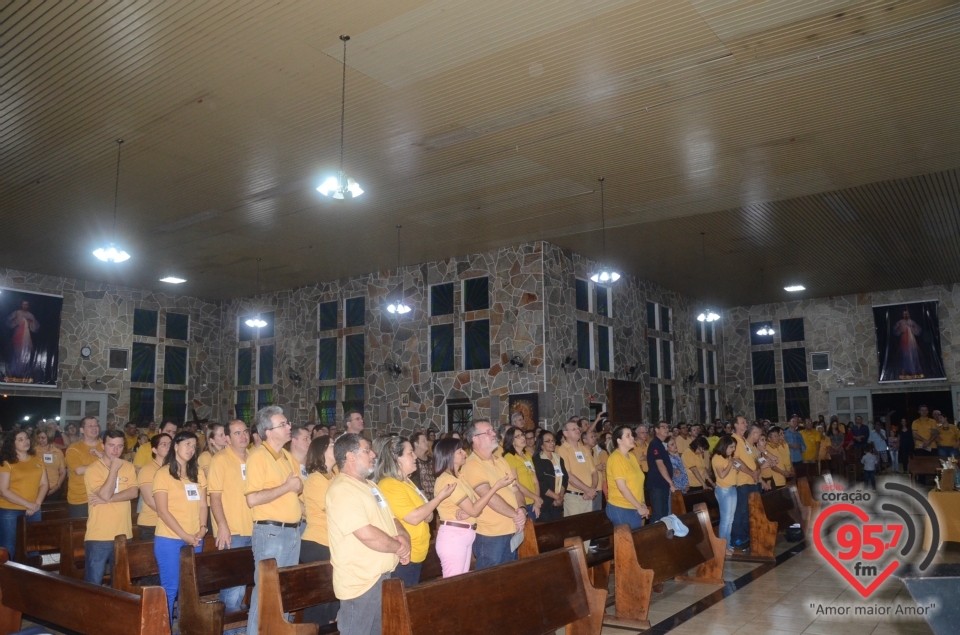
{"points": [[605, 274], [111, 253], [257, 322], [766, 331], [399, 307], [341, 185], [708, 314]]}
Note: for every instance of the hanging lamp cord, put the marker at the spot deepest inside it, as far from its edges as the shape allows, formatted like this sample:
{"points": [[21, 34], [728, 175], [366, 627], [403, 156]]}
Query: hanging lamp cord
{"points": [[343, 100], [603, 222], [398, 248], [116, 188]]}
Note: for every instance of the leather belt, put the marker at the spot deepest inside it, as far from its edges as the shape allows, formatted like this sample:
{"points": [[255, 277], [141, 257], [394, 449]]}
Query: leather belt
{"points": [[460, 525], [277, 524], [574, 493]]}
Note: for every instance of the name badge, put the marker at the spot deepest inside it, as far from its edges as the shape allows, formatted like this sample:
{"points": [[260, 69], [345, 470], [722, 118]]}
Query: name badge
{"points": [[529, 465], [421, 494], [761, 460], [193, 492], [558, 471], [48, 458], [580, 457], [243, 471], [749, 451], [378, 497], [303, 472], [117, 488]]}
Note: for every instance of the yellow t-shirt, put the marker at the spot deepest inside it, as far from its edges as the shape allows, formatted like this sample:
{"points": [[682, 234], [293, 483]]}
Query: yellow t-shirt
{"points": [[315, 503], [810, 439], [627, 468], [144, 455], [108, 521], [825, 445], [922, 427], [129, 442], [147, 517], [78, 455], [52, 461], [525, 474], [713, 441], [226, 477], [782, 452], [25, 479], [184, 500], [266, 470], [948, 437], [477, 471], [579, 463], [747, 454], [404, 497], [203, 461], [352, 505], [447, 509], [682, 444], [730, 480], [690, 460], [640, 451]]}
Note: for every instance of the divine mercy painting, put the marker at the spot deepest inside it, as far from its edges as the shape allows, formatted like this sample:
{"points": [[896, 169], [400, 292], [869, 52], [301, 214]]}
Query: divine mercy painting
{"points": [[908, 341], [29, 337]]}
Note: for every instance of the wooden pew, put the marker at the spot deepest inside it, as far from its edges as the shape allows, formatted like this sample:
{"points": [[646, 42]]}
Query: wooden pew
{"points": [[54, 510], [681, 503], [543, 537], [43, 537], [771, 513], [805, 492], [922, 466], [552, 588], [78, 606], [206, 573], [292, 589], [134, 559], [646, 557]]}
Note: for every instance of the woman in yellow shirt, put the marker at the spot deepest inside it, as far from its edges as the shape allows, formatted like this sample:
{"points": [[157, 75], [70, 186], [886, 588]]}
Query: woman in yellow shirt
{"points": [[457, 514], [147, 508], [52, 458], [625, 505], [23, 485], [642, 440], [692, 458], [514, 446], [180, 492], [726, 490], [395, 463], [314, 544]]}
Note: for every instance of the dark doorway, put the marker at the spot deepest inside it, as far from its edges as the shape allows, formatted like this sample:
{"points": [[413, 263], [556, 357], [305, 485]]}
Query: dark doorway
{"points": [[905, 405], [27, 410]]}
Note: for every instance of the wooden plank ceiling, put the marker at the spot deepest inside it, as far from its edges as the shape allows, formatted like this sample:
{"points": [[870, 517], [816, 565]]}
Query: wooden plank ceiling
{"points": [[811, 142]]}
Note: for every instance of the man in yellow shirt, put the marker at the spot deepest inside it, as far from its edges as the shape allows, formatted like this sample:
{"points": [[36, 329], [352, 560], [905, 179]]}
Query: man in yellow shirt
{"points": [[505, 514], [683, 439], [584, 481], [925, 433], [366, 540], [748, 477], [272, 493], [948, 437], [811, 440], [233, 517], [144, 454], [78, 456], [110, 484], [130, 436]]}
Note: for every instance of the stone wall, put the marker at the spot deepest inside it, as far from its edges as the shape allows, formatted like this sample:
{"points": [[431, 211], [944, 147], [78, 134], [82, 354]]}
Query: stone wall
{"points": [[101, 316], [842, 326]]}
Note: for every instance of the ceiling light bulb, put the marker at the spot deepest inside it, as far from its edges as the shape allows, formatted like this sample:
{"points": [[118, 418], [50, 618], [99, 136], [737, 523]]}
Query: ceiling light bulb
{"points": [[604, 276], [354, 188], [614, 276], [392, 308], [328, 186], [403, 309], [794, 288], [172, 280], [256, 322], [111, 254]]}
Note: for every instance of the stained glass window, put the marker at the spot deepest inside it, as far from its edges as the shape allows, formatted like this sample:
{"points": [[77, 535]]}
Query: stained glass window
{"points": [[178, 326], [175, 405], [145, 322], [666, 359], [712, 367], [797, 401], [654, 352], [765, 404], [763, 368], [244, 366], [665, 319], [603, 302], [583, 295], [327, 405], [175, 365], [476, 295], [603, 346], [651, 315], [264, 398], [441, 348], [584, 360], [353, 398], [141, 405], [265, 367], [355, 311], [668, 403], [702, 399], [244, 405], [441, 299], [701, 376], [327, 362], [328, 315], [791, 330], [654, 403], [476, 344], [794, 365], [144, 363], [353, 356]]}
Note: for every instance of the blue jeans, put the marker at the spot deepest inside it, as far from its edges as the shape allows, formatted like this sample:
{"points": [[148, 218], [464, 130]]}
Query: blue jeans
{"points": [[167, 552], [624, 516], [948, 452], [660, 501], [233, 597], [409, 573], [492, 550], [727, 498], [870, 479], [77, 511], [98, 559], [279, 543], [363, 614], [8, 529], [740, 533]]}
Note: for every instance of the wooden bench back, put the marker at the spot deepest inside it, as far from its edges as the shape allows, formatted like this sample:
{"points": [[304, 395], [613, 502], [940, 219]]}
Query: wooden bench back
{"points": [[135, 559], [72, 553], [551, 535], [671, 557], [923, 465], [209, 572], [539, 594], [80, 606], [217, 570], [291, 589], [783, 507], [682, 503], [43, 537]]}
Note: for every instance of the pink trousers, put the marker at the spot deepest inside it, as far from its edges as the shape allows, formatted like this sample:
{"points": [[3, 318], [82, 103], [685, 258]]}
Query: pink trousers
{"points": [[454, 548]]}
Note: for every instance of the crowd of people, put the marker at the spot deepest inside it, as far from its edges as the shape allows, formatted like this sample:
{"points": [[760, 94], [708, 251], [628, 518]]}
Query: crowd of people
{"points": [[371, 507]]}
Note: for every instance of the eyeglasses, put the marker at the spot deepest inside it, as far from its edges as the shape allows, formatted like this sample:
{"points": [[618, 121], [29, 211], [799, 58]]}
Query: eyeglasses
{"points": [[285, 424], [546, 441]]}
